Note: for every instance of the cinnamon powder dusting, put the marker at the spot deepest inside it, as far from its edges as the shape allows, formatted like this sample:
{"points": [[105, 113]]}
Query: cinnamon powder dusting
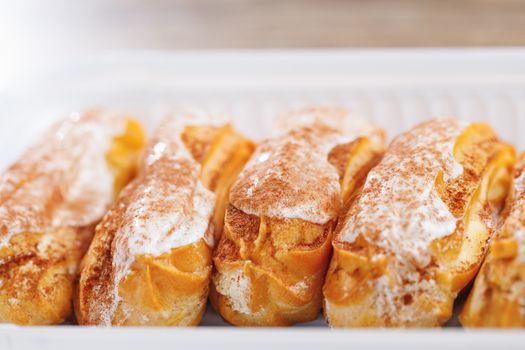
{"points": [[62, 181], [50, 201], [290, 175], [399, 208], [165, 207], [422, 218]]}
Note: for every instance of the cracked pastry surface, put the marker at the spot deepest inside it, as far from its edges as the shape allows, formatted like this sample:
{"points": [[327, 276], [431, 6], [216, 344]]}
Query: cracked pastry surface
{"points": [[150, 260], [498, 296], [419, 228], [51, 199], [272, 257]]}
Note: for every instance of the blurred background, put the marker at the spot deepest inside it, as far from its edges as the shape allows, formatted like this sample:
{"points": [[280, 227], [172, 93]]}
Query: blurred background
{"points": [[49, 50], [34, 33]]}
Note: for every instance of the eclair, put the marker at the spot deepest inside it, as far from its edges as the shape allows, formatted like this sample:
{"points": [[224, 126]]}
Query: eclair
{"points": [[418, 230], [498, 296], [272, 257], [50, 201], [150, 261]]}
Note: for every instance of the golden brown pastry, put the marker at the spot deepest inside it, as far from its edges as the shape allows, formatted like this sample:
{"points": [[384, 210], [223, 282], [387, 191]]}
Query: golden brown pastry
{"points": [[272, 257], [150, 260], [50, 201], [419, 229], [498, 296]]}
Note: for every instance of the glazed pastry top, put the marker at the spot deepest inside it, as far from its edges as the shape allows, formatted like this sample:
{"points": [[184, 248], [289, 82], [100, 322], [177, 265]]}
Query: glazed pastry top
{"points": [[166, 206], [63, 180], [400, 208], [290, 175]]}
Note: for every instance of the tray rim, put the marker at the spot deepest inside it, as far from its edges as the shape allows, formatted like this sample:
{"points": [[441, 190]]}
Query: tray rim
{"points": [[240, 338], [504, 66]]}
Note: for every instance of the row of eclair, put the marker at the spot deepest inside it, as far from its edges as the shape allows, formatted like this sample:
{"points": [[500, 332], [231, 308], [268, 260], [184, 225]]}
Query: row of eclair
{"points": [[320, 215]]}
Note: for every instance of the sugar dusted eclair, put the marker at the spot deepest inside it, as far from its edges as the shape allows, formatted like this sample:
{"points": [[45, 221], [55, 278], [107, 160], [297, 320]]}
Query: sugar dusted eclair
{"points": [[419, 229], [272, 257], [498, 296], [50, 201], [150, 261]]}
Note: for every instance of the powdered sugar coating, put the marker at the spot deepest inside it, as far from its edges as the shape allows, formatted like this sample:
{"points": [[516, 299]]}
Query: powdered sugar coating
{"points": [[170, 207], [289, 176], [399, 208], [166, 207], [236, 286], [63, 180], [386, 297]]}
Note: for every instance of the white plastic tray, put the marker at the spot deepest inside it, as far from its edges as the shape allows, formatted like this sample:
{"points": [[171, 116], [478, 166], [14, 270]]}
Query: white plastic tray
{"points": [[396, 88]]}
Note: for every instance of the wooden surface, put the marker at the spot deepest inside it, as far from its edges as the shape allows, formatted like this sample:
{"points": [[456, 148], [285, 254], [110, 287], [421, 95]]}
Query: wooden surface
{"points": [[171, 24]]}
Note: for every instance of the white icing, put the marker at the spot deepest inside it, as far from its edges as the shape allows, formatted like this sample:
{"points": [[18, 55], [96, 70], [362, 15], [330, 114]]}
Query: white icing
{"points": [[169, 206], [68, 164], [399, 202], [154, 233], [44, 244], [235, 286], [296, 158], [520, 238], [299, 287], [158, 150], [387, 293], [301, 181]]}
